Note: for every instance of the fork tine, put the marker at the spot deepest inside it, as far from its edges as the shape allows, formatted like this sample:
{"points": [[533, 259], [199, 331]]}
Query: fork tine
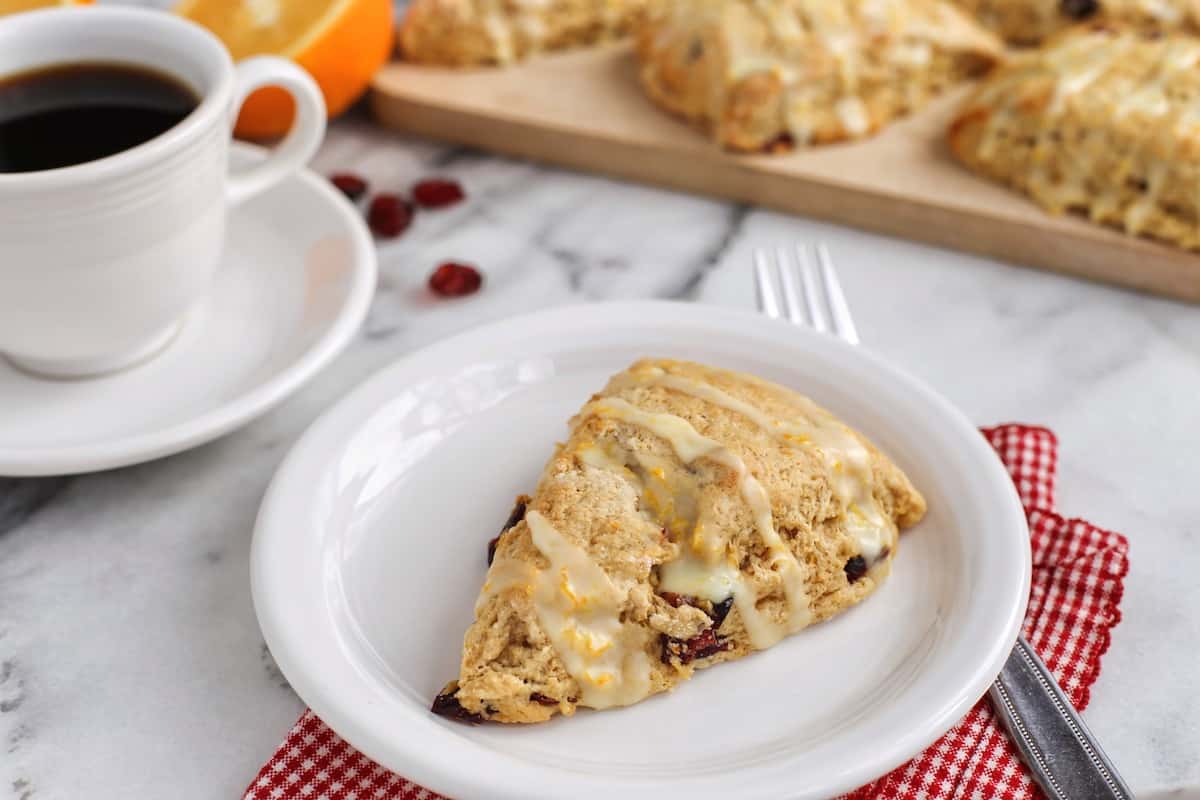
{"points": [[791, 294], [843, 322], [768, 297], [812, 297]]}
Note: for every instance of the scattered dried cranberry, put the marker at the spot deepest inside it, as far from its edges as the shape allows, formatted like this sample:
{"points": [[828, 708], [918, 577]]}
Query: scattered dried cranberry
{"points": [[1079, 9], [447, 705], [437, 193], [542, 699], [350, 185], [453, 279], [855, 568], [389, 215]]}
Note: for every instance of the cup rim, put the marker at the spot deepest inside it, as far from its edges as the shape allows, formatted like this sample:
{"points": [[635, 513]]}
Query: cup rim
{"points": [[211, 105]]}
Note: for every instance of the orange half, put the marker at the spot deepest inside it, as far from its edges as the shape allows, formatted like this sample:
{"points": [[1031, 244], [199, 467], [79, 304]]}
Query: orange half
{"points": [[340, 42]]}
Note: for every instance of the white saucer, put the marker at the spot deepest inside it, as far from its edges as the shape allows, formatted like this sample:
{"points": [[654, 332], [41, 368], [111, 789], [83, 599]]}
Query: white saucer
{"points": [[295, 282], [370, 549]]}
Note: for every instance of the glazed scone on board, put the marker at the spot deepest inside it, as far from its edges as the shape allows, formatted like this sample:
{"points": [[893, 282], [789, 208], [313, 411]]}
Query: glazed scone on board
{"points": [[769, 75], [693, 515], [1030, 22], [1100, 121], [478, 32]]}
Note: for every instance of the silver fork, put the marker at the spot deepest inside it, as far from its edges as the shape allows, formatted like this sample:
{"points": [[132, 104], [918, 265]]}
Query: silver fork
{"points": [[800, 285]]}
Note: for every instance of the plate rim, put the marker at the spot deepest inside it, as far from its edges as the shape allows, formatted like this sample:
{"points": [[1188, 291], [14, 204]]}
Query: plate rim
{"points": [[216, 422], [444, 777]]}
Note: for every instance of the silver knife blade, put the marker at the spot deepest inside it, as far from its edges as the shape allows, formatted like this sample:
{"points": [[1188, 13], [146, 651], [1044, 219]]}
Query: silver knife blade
{"points": [[1063, 755]]}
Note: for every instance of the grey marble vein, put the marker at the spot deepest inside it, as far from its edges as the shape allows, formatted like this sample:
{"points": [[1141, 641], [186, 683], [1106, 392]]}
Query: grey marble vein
{"points": [[21, 498]]}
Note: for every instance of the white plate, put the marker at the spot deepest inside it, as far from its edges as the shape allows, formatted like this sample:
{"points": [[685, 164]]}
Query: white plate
{"points": [[295, 282], [370, 549]]}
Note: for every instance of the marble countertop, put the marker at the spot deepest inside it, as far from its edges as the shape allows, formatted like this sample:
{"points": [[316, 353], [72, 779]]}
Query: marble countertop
{"points": [[131, 664]]}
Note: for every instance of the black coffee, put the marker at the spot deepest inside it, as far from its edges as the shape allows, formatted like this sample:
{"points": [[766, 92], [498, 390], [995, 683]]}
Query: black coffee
{"points": [[72, 113]]}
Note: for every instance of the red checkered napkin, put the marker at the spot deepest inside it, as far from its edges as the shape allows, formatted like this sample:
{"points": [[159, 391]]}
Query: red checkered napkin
{"points": [[1078, 571]]}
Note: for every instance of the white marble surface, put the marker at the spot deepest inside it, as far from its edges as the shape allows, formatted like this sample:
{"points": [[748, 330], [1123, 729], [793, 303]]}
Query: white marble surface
{"points": [[130, 661]]}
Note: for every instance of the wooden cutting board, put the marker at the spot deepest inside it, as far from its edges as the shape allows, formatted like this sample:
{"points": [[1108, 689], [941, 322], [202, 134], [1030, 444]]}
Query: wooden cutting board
{"points": [[584, 110]]}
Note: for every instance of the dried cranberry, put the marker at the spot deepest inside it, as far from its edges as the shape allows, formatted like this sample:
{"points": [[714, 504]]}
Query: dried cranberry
{"points": [[389, 215], [783, 143], [542, 699], [350, 185], [702, 645], [437, 193], [674, 600], [518, 512], [720, 611], [855, 568], [706, 643], [1079, 9], [514, 516], [453, 279], [446, 705]]}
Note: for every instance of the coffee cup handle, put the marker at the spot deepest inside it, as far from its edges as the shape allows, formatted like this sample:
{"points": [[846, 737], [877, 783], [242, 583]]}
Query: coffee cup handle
{"points": [[301, 142]]}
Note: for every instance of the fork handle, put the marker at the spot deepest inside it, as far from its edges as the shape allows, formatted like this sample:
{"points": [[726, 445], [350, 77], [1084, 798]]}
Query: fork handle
{"points": [[1060, 751]]}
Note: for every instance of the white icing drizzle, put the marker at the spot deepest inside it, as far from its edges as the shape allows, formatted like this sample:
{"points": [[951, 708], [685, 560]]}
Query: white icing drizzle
{"points": [[602, 458], [501, 35], [1077, 65], [578, 605], [846, 459], [505, 574], [1151, 97], [1162, 11], [890, 31], [1078, 69], [579, 609], [532, 28], [689, 445], [852, 113]]}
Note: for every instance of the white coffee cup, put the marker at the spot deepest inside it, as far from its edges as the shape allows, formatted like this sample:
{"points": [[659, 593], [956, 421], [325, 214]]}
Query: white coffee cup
{"points": [[101, 261]]}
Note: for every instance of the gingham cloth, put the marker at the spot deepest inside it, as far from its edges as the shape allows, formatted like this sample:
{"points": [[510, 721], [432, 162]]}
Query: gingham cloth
{"points": [[1078, 570]]}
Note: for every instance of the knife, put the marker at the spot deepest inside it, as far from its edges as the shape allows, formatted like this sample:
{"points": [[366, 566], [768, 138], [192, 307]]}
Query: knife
{"points": [[1063, 755]]}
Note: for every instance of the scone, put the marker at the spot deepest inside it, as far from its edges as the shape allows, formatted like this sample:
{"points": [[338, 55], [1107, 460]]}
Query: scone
{"points": [[774, 74], [1029, 22], [471, 32], [693, 515], [1099, 121]]}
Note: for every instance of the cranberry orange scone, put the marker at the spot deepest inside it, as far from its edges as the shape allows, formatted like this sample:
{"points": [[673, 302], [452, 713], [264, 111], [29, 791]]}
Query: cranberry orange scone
{"points": [[1099, 121], [772, 74], [471, 32], [693, 515], [1029, 22]]}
